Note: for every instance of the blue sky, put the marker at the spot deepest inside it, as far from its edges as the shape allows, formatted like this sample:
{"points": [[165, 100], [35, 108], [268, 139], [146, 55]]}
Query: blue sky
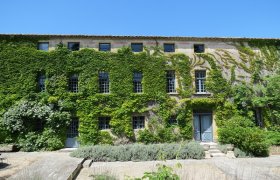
{"points": [[222, 18]]}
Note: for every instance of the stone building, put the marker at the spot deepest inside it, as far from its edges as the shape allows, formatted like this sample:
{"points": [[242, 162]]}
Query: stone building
{"points": [[231, 55]]}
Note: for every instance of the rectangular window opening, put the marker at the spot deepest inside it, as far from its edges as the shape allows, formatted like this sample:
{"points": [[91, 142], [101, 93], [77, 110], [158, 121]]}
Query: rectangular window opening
{"points": [[73, 83], [74, 46], [199, 48], [41, 82], [137, 82], [200, 78], [104, 46], [172, 120], [170, 78], [103, 82], [104, 123], [44, 46], [169, 47], [138, 122], [137, 47]]}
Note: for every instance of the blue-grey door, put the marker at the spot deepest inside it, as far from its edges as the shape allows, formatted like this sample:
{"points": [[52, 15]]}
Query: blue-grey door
{"points": [[203, 127], [72, 134]]}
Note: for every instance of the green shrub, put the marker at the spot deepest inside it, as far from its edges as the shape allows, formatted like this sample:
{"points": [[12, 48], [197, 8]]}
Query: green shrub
{"points": [[28, 142], [103, 177], [147, 137], [36, 126], [273, 137], [106, 138], [240, 132], [141, 152], [163, 172], [241, 154], [193, 150], [223, 148]]}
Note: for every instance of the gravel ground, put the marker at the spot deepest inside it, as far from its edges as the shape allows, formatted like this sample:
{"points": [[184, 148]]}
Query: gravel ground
{"points": [[38, 165]]}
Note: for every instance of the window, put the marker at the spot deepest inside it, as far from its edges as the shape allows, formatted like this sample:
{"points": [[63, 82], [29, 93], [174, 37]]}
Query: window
{"points": [[41, 82], [103, 82], [73, 84], [74, 46], [172, 120], [43, 46], [137, 82], [137, 47], [104, 47], [104, 122], [198, 48], [170, 77], [138, 122], [168, 47], [200, 77], [72, 130]]}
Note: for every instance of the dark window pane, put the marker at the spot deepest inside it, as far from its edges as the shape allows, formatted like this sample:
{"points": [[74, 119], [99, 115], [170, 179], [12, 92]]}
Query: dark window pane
{"points": [[170, 81], [138, 122], [198, 48], [41, 82], [73, 129], [172, 120], [137, 47], [200, 77], [137, 82], [103, 82], [104, 122], [74, 46], [73, 84], [43, 46], [104, 47], [169, 47]]}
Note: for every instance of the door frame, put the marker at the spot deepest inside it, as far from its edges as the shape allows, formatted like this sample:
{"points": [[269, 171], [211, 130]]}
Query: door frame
{"points": [[200, 126]]}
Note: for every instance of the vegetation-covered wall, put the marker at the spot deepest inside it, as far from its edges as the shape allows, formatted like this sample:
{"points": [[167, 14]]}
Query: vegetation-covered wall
{"points": [[22, 104]]}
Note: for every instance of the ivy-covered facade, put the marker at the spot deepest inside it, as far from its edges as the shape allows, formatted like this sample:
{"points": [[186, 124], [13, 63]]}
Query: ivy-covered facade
{"points": [[108, 89]]}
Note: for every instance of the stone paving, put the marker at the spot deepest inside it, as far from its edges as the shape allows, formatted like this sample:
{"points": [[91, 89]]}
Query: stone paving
{"points": [[38, 165], [211, 169], [59, 165]]}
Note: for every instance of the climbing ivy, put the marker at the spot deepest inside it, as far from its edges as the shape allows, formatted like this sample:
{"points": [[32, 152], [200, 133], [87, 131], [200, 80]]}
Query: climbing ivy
{"points": [[21, 64]]}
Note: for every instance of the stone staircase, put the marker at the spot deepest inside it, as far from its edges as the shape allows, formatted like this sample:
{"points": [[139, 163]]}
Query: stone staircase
{"points": [[211, 150]]}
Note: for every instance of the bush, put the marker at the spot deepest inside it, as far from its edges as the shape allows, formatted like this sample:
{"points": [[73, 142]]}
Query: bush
{"points": [[241, 154], [163, 172], [141, 152], [240, 132], [273, 137], [36, 126]]}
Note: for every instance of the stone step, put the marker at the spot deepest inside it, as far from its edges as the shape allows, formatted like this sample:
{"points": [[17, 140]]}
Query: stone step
{"points": [[214, 151], [218, 155], [213, 146]]}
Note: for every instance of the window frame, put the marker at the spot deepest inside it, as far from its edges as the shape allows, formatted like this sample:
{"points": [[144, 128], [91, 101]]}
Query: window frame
{"points": [[200, 87], [73, 80], [39, 43], [173, 120], [71, 49], [136, 124], [137, 44], [41, 82], [104, 83], [107, 50], [104, 123], [169, 80], [197, 50], [168, 44], [137, 84]]}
